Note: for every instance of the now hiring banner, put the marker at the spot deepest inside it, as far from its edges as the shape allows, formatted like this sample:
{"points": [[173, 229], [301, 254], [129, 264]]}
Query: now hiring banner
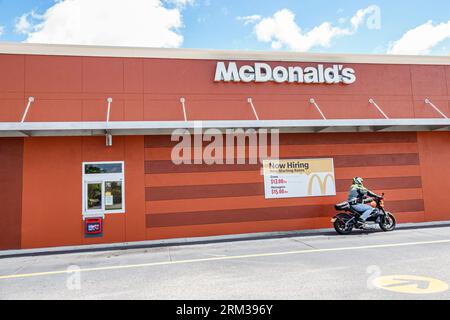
{"points": [[299, 178]]}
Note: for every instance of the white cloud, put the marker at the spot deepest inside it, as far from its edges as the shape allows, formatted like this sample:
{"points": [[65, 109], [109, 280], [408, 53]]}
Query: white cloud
{"points": [[145, 23], [2, 30], [249, 19], [281, 30], [24, 24], [180, 3], [422, 39], [361, 15]]}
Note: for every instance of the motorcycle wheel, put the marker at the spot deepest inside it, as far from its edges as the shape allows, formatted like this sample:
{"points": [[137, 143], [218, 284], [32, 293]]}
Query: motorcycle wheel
{"points": [[388, 223], [339, 226]]}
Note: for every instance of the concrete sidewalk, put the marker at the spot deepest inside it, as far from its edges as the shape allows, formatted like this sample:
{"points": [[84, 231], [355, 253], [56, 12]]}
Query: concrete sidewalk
{"points": [[197, 240]]}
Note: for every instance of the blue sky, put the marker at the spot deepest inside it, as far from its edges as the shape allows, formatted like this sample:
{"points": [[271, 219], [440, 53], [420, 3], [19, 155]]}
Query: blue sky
{"points": [[401, 26]]}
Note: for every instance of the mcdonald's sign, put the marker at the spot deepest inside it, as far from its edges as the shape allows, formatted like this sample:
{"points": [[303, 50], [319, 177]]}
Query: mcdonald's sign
{"points": [[322, 183]]}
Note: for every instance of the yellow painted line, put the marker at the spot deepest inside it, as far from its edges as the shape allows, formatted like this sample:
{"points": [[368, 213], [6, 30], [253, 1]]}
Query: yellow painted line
{"points": [[256, 255], [410, 284]]}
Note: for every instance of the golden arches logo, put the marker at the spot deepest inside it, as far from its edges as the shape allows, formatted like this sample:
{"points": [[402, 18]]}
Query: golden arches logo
{"points": [[322, 183]]}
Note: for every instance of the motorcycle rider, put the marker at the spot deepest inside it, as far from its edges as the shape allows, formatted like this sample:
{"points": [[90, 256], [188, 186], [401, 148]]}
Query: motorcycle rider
{"points": [[357, 196]]}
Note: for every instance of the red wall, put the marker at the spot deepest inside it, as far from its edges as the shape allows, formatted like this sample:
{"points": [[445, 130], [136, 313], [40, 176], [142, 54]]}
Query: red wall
{"points": [[166, 201], [434, 148], [187, 200], [52, 185], [11, 154], [42, 205], [40, 184], [76, 88]]}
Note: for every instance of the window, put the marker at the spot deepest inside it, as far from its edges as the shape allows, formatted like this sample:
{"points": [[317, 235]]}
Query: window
{"points": [[94, 168], [103, 188], [94, 196], [113, 195]]}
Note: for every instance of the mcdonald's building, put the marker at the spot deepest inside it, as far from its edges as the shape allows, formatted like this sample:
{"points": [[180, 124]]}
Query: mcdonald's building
{"points": [[88, 141]]}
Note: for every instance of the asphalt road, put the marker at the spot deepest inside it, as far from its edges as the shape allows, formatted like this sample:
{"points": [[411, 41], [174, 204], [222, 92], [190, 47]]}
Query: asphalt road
{"points": [[322, 266]]}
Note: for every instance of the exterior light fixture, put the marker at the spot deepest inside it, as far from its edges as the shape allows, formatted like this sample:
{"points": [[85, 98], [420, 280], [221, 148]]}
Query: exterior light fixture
{"points": [[108, 136]]}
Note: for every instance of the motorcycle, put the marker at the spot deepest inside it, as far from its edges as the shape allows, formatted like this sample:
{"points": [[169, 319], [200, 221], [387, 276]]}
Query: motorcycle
{"points": [[344, 223]]}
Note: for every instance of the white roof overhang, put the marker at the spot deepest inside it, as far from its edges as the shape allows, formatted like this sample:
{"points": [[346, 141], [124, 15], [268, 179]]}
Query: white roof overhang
{"points": [[203, 54], [18, 129]]}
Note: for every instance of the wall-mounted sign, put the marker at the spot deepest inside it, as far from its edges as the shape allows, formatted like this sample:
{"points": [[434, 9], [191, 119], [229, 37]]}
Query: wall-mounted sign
{"points": [[93, 226], [299, 178], [262, 72]]}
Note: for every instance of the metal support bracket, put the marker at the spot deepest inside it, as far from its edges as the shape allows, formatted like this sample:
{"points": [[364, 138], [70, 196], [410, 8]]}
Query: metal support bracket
{"points": [[30, 101], [108, 135], [109, 100], [428, 101], [183, 105], [371, 101], [314, 103], [250, 101]]}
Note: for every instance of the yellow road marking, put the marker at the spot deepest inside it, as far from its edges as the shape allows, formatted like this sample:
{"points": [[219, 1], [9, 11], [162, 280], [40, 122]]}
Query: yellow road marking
{"points": [[256, 255], [410, 284]]}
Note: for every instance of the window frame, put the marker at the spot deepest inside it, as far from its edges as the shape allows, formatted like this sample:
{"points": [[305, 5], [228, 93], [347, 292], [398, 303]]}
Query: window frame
{"points": [[90, 178]]}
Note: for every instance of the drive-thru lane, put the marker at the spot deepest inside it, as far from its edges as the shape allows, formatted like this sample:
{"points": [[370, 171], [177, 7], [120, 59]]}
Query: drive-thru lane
{"points": [[408, 263]]}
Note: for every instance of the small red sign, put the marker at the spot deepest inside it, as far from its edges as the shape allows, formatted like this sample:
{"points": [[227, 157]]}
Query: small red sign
{"points": [[93, 226]]}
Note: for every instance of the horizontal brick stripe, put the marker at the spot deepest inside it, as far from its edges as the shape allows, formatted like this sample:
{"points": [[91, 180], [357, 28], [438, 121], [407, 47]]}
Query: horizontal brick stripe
{"points": [[311, 138], [406, 217], [376, 172], [258, 226], [388, 183], [295, 150], [262, 214], [232, 228], [405, 206], [231, 177], [204, 191], [234, 216], [348, 137], [253, 189], [340, 161], [376, 160], [227, 203], [202, 178]]}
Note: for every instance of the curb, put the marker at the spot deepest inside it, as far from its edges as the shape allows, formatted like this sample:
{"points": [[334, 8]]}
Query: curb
{"points": [[192, 241]]}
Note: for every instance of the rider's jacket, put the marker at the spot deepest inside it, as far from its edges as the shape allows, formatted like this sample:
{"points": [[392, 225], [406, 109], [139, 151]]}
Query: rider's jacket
{"points": [[357, 194]]}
